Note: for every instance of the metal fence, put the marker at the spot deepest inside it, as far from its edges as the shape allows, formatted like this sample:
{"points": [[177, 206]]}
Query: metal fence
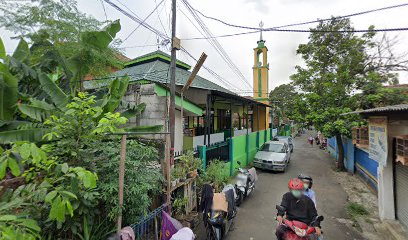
{"points": [[149, 227], [218, 151]]}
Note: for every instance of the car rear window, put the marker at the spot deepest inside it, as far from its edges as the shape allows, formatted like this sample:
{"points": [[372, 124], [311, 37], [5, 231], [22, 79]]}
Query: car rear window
{"points": [[270, 147]]}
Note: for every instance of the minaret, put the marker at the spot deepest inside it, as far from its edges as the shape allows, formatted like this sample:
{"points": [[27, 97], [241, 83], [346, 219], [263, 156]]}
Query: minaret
{"points": [[261, 85], [260, 70]]}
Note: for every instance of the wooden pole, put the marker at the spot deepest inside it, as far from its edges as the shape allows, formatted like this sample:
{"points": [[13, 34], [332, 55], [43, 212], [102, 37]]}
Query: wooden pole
{"points": [[121, 179], [168, 166]]}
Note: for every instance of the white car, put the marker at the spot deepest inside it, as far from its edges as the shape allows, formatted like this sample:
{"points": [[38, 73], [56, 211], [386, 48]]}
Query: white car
{"points": [[287, 139], [274, 156]]}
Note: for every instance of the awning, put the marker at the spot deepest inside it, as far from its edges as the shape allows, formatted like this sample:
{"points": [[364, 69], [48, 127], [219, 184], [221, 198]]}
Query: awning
{"points": [[187, 104]]}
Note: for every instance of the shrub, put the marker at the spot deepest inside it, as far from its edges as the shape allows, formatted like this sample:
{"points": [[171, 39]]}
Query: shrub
{"points": [[143, 179], [217, 174]]}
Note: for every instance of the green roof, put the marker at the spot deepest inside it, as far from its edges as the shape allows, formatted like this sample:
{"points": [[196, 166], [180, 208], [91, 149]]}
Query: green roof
{"points": [[157, 55], [157, 70]]}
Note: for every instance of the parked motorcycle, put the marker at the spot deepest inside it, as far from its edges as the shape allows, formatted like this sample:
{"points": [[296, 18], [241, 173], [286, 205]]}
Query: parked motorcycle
{"points": [[220, 220], [298, 230], [245, 183]]}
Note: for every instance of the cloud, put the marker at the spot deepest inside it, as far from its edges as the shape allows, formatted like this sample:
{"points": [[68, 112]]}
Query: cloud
{"points": [[259, 5]]}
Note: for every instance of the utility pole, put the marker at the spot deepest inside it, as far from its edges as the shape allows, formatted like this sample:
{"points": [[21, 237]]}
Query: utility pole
{"points": [[175, 44]]}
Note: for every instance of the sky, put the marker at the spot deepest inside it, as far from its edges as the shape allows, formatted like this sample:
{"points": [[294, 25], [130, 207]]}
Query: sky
{"points": [[282, 46]]}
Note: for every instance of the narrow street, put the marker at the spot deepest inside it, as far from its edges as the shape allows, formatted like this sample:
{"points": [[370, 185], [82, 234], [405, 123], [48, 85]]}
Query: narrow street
{"points": [[255, 218]]}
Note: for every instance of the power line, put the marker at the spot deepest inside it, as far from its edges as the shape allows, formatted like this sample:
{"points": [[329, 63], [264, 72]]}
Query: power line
{"points": [[135, 18], [158, 15], [214, 74], [302, 23], [224, 81], [400, 29], [144, 20], [217, 46]]}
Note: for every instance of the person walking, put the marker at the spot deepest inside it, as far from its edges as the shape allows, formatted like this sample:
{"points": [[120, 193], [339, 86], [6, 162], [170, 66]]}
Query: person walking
{"points": [[311, 140]]}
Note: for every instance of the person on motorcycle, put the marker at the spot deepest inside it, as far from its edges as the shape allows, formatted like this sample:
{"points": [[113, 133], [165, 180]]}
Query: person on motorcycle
{"points": [[307, 183], [297, 206]]}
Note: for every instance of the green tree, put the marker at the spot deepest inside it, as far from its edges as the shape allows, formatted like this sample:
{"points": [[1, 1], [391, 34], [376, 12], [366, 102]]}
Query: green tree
{"points": [[290, 102], [335, 66], [60, 23]]}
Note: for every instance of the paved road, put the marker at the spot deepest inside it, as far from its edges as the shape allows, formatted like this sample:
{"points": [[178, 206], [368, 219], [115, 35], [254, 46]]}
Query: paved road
{"points": [[255, 218]]}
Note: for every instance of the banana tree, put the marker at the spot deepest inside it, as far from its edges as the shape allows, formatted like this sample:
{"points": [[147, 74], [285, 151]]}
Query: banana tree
{"points": [[30, 93]]}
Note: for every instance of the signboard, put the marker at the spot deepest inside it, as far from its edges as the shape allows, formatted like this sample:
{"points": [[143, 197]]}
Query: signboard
{"points": [[378, 139]]}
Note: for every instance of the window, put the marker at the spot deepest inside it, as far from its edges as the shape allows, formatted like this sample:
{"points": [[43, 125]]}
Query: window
{"points": [[360, 136], [270, 147]]}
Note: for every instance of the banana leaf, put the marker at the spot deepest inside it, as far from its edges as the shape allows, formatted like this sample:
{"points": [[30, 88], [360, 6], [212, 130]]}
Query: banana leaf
{"points": [[135, 111], [22, 51], [8, 93], [2, 50], [117, 90], [59, 98], [101, 39], [32, 135]]}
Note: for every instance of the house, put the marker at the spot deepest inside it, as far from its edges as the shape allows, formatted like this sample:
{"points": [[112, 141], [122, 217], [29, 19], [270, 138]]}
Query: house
{"points": [[211, 113], [379, 153]]}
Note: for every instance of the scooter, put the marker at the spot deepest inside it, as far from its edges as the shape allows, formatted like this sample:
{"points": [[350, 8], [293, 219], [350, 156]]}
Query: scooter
{"points": [[298, 230], [245, 183], [238, 194], [219, 224]]}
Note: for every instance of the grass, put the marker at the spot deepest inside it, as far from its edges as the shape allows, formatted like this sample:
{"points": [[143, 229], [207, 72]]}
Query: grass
{"points": [[356, 210]]}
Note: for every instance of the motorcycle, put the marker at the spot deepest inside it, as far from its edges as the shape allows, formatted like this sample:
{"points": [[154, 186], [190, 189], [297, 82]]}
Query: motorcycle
{"points": [[245, 183], [219, 223], [298, 230]]}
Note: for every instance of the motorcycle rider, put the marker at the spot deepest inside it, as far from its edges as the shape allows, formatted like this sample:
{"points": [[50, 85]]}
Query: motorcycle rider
{"points": [[307, 183], [297, 206]]}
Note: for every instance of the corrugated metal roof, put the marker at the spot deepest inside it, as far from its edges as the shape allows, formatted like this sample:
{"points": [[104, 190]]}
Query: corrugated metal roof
{"points": [[393, 108]]}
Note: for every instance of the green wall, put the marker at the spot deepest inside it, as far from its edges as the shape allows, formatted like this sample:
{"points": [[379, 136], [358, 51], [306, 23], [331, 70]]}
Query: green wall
{"points": [[252, 146], [239, 151]]}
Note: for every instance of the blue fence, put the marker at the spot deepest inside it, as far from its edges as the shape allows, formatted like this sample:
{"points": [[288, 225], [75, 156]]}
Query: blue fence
{"points": [[149, 227], [356, 160], [366, 167]]}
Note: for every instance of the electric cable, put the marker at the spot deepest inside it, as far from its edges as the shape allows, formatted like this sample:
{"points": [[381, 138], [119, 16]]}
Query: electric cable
{"points": [[302, 23], [144, 20]]}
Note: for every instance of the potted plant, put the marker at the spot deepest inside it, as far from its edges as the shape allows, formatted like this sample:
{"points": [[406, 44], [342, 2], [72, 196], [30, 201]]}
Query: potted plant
{"points": [[178, 174]]}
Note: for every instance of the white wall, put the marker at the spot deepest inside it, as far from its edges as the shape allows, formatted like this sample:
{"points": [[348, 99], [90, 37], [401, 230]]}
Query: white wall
{"points": [[241, 132], [214, 138]]}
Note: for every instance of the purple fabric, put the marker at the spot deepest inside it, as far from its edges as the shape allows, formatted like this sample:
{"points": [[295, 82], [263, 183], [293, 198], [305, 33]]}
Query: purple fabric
{"points": [[168, 228]]}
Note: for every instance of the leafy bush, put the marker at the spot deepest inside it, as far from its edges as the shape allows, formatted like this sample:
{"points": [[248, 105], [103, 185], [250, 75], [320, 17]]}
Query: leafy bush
{"points": [[51, 193], [143, 179], [217, 174]]}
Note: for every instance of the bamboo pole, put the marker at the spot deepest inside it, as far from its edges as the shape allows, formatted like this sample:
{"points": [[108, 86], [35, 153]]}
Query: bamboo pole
{"points": [[121, 179]]}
